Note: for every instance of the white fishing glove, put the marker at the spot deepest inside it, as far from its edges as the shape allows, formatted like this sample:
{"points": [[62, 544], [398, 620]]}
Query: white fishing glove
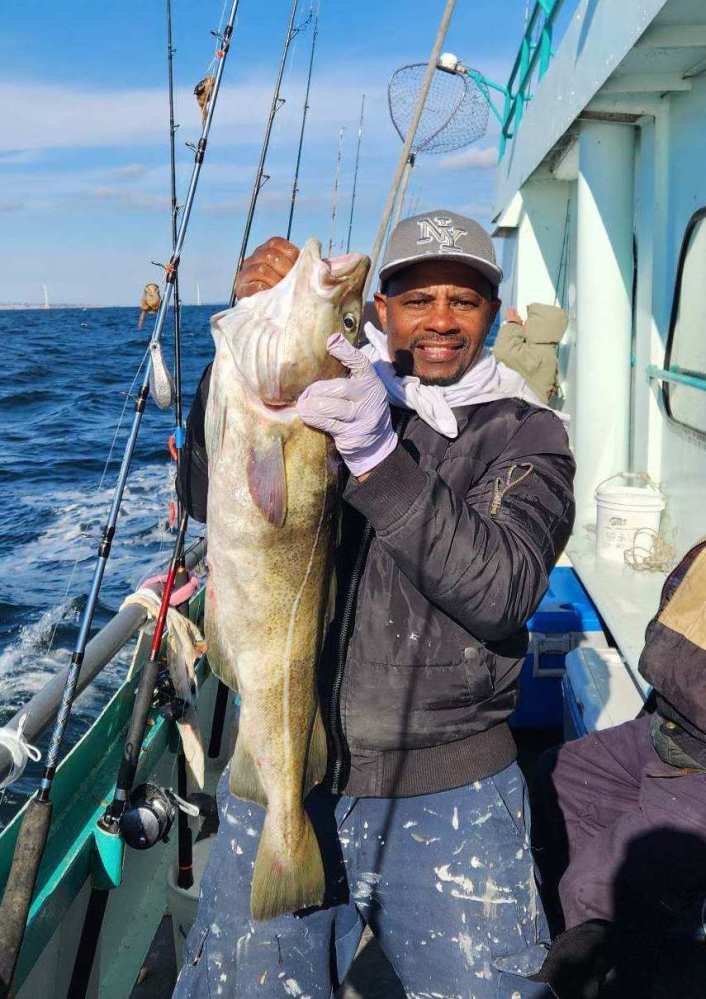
{"points": [[355, 410]]}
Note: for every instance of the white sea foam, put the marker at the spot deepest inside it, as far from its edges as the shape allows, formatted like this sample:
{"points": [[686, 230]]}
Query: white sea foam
{"points": [[58, 565]]}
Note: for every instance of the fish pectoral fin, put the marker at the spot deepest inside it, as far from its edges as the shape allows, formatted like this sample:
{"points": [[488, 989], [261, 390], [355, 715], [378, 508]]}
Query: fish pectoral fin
{"points": [[286, 882], [267, 480], [317, 756], [244, 779]]}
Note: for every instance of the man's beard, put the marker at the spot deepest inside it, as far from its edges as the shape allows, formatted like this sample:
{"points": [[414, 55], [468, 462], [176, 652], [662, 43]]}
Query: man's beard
{"points": [[442, 382]]}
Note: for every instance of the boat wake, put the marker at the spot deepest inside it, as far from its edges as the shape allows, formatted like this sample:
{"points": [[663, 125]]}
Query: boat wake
{"points": [[55, 568]]}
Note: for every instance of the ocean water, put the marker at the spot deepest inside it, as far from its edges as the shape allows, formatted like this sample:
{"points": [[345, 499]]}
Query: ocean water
{"points": [[65, 389]]}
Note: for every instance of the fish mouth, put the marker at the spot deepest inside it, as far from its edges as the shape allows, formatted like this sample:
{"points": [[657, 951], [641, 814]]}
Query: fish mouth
{"points": [[333, 275], [340, 267]]}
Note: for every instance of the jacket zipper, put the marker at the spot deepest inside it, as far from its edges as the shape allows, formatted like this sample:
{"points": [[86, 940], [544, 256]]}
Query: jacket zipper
{"points": [[334, 714], [335, 723]]}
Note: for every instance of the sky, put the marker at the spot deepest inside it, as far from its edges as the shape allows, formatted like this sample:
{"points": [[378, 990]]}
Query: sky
{"points": [[84, 155]]}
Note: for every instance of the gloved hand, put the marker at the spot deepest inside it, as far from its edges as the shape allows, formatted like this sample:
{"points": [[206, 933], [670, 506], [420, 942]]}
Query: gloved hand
{"points": [[354, 410]]}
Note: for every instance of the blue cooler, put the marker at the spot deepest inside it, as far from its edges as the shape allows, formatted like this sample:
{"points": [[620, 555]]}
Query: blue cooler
{"points": [[565, 619], [600, 691]]}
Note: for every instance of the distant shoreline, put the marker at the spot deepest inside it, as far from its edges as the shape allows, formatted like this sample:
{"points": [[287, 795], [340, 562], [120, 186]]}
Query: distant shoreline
{"points": [[33, 307]]}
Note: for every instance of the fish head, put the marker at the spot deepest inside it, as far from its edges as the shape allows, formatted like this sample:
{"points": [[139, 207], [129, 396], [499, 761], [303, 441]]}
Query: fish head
{"points": [[278, 337], [326, 299]]}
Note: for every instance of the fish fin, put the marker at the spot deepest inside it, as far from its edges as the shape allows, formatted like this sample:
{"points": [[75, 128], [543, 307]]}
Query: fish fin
{"points": [[267, 480], [287, 883], [317, 756], [244, 779]]}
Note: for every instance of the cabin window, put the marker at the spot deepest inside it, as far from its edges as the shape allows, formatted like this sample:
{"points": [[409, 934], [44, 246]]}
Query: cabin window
{"points": [[686, 346]]}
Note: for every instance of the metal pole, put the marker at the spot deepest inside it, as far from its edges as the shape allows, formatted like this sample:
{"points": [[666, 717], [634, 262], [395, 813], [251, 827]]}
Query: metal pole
{"points": [[277, 103], [305, 109], [407, 147], [355, 173], [35, 826], [334, 200]]}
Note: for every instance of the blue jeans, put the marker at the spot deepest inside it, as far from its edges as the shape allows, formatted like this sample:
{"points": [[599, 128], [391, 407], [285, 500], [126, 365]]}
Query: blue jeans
{"points": [[445, 881]]}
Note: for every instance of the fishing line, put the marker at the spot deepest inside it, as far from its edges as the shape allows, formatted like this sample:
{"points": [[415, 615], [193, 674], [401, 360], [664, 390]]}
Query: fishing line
{"points": [[128, 397], [305, 111], [276, 104]]}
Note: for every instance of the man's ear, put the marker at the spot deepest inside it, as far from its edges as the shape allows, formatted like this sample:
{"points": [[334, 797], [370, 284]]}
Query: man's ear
{"points": [[381, 308], [494, 307]]}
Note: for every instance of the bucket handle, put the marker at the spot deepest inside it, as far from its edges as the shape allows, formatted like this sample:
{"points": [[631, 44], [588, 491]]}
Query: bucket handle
{"points": [[641, 476]]}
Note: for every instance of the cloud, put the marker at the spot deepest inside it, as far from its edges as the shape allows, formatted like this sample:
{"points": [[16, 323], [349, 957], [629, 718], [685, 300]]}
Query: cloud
{"points": [[12, 157], [128, 172], [481, 159], [131, 199], [56, 116], [11, 206]]}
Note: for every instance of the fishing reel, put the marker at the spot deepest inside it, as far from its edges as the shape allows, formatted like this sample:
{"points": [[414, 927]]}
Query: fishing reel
{"points": [[148, 817], [165, 698], [151, 811]]}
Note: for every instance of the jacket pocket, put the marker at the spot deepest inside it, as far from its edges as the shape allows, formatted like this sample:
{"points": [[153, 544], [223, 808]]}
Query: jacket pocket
{"points": [[388, 706]]}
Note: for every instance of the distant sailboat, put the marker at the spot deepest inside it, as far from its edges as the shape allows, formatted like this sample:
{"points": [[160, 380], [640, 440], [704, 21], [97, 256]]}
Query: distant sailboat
{"points": [[198, 294], [46, 297]]}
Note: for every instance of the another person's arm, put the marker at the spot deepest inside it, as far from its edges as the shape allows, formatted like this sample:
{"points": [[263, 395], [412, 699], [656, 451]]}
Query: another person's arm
{"points": [[511, 348], [192, 479]]}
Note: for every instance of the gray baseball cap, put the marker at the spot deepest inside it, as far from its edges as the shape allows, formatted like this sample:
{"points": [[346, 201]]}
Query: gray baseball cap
{"points": [[440, 235]]}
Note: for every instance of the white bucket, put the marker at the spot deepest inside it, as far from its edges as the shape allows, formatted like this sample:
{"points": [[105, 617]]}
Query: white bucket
{"points": [[182, 902], [621, 511]]}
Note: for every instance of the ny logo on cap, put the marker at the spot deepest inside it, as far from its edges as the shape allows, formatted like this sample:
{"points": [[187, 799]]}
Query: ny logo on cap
{"points": [[441, 230]]}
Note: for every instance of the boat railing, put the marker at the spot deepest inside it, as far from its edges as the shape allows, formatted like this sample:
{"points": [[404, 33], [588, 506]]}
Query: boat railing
{"points": [[40, 711], [532, 60], [677, 375]]}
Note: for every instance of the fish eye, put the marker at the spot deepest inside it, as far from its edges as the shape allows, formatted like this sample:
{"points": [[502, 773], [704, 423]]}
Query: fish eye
{"points": [[350, 323]]}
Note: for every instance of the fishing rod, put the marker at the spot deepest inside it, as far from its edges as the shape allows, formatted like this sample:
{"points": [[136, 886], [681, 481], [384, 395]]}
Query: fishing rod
{"points": [[185, 856], [33, 832], [334, 198], [407, 145], [305, 109], [260, 175], [402, 193], [355, 173], [178, 416]]}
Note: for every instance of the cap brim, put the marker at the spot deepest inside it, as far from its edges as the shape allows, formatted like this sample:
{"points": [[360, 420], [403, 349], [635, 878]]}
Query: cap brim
{"points": [[490, 271]]}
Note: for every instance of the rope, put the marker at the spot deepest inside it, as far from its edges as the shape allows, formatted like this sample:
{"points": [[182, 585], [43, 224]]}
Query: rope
{"points": [[19, 749], [657, 555], [563, 270]]}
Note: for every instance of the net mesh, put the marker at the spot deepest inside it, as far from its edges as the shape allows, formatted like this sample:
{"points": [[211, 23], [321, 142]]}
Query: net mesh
{"points": [[455, 113]]}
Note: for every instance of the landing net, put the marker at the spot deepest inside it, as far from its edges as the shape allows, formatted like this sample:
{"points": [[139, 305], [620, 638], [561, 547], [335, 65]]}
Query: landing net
{"points": [[455, 113]]}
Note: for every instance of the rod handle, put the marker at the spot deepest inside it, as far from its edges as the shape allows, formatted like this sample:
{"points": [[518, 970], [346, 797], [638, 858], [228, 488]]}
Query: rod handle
{"points": [[29, 849]]}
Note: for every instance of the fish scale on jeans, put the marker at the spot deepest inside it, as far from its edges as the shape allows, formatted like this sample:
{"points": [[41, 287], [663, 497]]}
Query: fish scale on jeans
{"points": [[445, 881]]}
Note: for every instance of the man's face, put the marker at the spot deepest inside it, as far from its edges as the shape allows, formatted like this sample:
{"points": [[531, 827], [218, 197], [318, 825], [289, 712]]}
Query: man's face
{"points": [[436, 315]]}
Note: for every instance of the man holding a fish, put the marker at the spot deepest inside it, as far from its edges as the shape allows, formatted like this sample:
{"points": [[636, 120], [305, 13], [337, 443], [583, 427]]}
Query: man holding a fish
{"points": [[382, 704]]}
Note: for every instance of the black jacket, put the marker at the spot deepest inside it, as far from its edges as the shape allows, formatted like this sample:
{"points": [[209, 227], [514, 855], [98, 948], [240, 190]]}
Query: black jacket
{"points": [[420, 666], [673, 660]]}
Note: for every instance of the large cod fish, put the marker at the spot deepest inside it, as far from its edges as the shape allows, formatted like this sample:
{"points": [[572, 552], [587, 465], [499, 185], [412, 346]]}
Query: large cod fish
{"points": [[271, 534]]}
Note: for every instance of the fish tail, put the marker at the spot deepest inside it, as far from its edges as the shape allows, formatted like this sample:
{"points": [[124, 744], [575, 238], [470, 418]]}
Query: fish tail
{"points": [[286, 883]]}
